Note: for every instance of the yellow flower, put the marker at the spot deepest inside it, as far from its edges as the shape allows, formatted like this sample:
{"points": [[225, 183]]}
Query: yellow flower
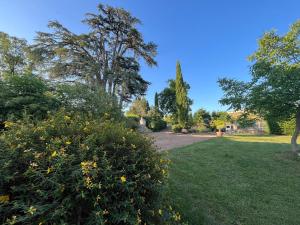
{"points": [[54, 154], [68, 142], [94, 164], [8, 124], [177, 217], [67, 118], [123, 179], [49, 170], [13, 220], [160, 212], [31, 210], [4, 198], [163, 171]]}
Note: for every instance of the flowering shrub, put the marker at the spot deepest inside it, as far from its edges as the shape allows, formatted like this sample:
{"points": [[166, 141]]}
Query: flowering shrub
{"points": [[176, 128], [74, 170]]}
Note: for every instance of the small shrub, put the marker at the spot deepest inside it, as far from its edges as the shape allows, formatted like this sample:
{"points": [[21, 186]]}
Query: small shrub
{"points": [[132, 122], [74, 170], [203, 129], [157, 125], [176, 128], [154, 120]]}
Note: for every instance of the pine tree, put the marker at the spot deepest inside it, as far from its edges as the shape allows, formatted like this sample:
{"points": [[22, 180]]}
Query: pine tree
{"points": [[181, 98], [156, 100]]}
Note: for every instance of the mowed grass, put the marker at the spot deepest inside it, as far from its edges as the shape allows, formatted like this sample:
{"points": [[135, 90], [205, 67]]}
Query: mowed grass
{"points": [[240, 180]]}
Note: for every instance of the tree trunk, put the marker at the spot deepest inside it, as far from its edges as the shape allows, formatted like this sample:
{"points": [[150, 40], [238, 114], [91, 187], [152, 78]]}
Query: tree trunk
{"points": [[295, 148]]}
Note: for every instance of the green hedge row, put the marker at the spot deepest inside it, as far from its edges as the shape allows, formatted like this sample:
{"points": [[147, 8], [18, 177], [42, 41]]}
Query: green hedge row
{"points": [[285, 127]]}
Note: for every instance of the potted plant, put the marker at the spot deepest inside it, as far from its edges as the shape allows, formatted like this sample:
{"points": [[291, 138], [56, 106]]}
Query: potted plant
{"points": [[220, 124]]}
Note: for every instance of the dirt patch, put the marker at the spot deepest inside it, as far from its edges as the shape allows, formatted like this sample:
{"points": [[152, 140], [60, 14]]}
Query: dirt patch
{"points": [[168, 140]]}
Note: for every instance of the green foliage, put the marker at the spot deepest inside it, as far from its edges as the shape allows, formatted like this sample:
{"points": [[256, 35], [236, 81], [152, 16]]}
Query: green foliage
{"points": [[132, 122], [274, 127], [81, 98], [274, 89], [155, 120], [156, 100], [167, 100], [182, 105], [25, 94], [202, 118], [219, 124], [139, 107], [176, 128], [16, 56], [107, 55], [286, 127], [73, 169], [219, 120], [245, 121]]}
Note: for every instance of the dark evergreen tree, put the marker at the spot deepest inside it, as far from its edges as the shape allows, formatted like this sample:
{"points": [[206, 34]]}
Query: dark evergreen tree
{"points": [[156, 100], [181, 98]]}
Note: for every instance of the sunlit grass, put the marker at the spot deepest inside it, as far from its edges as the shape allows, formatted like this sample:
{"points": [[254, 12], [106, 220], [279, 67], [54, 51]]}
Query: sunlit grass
{"points": [[243, 180]]}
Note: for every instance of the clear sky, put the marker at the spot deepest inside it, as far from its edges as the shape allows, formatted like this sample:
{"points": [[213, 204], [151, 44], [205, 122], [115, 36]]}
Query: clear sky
{"points": [[211, 38]]}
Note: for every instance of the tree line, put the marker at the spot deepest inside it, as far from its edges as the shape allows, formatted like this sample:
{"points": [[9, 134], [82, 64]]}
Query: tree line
{"points": [[107, 56]]}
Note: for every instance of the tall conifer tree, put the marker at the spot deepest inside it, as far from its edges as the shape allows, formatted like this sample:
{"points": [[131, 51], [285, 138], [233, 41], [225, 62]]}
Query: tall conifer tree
{"points": [[156, 100], [181, 98]]}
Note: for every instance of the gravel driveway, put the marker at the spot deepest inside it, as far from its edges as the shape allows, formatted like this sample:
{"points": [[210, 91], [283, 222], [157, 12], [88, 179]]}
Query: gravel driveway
{"points": [[167, 140]]}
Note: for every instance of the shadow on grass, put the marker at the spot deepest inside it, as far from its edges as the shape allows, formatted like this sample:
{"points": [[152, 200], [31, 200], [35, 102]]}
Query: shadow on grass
{"points": [[231, 180]]}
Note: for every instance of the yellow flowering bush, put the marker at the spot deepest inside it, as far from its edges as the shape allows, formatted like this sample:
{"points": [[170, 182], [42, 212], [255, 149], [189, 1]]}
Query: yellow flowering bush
{"points": [[71, 169]]}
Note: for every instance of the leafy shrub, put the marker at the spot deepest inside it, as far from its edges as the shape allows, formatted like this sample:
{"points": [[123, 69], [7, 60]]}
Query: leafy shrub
{"points": [[274, 126], [154, 120], [157, 125], [288, 126], [203, 128], [74, 170], [176, 128], [132, 122], [28, 94], [81, 98]]}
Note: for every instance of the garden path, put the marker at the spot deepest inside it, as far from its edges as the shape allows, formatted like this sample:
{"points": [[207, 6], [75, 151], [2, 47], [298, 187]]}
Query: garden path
{"points": [[165, 140]]}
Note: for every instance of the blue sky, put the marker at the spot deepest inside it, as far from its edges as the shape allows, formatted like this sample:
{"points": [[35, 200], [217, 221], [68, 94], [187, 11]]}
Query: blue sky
{"points": [[211, 38]]}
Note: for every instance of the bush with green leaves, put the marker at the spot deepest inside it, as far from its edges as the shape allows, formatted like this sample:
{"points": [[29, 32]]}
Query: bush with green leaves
{"points": [[71, 169], [25, 94], [176, 128], [132, 122], [95, 101], [155, 120], [286, 127]]}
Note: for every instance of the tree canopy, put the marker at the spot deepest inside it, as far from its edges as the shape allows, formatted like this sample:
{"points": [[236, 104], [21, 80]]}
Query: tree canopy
{"points": [[274, 90], [107, 56], [16, 56]]}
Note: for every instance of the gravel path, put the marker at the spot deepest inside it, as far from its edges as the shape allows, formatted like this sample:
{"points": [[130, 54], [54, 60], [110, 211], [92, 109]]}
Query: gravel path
{"points": [[167, 140]]}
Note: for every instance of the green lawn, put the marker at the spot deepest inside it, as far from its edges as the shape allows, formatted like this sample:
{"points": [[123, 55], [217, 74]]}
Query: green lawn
{"points": [[242, 180]]}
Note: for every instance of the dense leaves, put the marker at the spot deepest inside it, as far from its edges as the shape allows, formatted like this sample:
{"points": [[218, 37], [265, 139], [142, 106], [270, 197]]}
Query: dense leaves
{"points": [[26, 94], [72, 170], [182, 104], [107, 56], [274, 89]]}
